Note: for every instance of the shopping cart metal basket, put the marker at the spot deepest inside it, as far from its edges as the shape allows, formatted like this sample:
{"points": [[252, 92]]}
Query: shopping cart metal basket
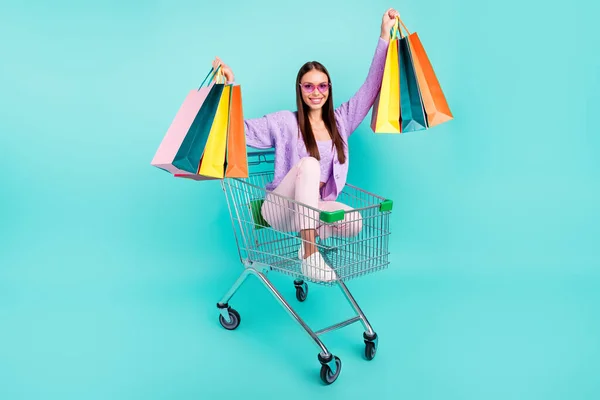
{"points": [[263, 249]]}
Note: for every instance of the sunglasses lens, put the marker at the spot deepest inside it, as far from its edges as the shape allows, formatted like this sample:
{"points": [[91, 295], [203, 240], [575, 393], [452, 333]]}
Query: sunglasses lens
{"points": [[323, 87], [308, 87]]}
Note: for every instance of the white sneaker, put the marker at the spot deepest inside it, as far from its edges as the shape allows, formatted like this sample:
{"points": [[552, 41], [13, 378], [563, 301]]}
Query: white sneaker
{"points": [[315, 268]]}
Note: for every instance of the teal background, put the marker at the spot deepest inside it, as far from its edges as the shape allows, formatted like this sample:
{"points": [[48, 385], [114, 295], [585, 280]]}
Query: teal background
{"points": [[110, 269]]}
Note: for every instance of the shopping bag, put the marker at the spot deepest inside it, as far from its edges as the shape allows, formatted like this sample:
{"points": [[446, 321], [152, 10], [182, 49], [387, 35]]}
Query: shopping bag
{"points": [[412, 114], [212, 163], [190, 152], [385, 117], [180, 126], [236, 157], [435, 104]]}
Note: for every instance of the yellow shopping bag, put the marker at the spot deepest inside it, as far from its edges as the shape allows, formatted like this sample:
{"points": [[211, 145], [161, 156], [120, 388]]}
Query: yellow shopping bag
{"points": [[213, 162], [385, 117]]}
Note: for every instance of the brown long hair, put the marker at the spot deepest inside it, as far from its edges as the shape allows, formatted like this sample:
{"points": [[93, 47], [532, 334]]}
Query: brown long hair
{"points": [[328, 116]]}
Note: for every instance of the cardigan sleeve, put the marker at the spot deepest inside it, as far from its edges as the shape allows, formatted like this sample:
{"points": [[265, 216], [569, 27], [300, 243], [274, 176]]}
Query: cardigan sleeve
{"points": [[260, 132], [354, 111]]}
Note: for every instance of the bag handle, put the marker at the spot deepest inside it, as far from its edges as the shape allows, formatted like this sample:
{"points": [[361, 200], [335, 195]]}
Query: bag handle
{"points": [[219, 76], [211, 74], [399, 21], [394, 31]]}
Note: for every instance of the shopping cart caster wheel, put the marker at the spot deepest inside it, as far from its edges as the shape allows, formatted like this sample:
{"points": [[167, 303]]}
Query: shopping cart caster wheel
{"points": [[370, 350], [234, 318], [370, 346], [301, 290], [327, 375]]}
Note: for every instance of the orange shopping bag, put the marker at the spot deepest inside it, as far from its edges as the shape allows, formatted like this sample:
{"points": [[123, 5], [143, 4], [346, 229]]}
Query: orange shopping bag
{"points": [[236, 157]]}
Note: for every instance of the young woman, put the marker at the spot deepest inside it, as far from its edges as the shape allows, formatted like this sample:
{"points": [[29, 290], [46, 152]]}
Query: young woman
{"points": [[311, 153]]}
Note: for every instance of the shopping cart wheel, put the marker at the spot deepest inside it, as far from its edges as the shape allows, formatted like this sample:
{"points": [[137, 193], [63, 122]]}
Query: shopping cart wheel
{"points": [[370, 345], [327, 376], [370, 350], [234, 317], [301, 290]]}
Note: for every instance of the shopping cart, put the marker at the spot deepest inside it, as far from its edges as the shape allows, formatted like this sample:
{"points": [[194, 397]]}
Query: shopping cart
{"points": [[263, 249]]}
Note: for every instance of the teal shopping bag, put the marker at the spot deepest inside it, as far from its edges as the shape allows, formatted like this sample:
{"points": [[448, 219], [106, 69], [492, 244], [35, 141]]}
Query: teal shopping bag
{"points": [[190, 152], [412, 112]]}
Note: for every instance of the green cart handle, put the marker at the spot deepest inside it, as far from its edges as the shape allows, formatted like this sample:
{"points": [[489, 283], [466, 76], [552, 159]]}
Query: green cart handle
{"points": [[335, 216]]}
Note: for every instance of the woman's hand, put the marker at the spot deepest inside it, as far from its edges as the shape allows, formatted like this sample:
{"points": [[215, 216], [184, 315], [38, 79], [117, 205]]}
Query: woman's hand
{"points": [[224, 68], [387, 22]]}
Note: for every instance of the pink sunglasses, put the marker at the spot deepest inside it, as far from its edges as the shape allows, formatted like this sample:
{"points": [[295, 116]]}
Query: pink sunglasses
{"points": [[309, 87]]}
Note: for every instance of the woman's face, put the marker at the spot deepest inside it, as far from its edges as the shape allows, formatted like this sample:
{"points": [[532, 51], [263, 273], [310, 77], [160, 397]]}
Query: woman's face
{"points": [[314, 87]]}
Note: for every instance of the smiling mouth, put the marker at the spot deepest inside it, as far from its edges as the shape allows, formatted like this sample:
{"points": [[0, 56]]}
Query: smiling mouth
{"points": [[315, 101]]}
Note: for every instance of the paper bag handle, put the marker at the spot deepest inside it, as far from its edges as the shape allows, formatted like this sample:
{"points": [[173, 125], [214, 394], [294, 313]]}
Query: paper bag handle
{"points": [[211, 75], [398, 20]]}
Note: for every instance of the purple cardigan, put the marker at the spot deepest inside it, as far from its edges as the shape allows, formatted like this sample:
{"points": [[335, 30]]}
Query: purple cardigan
{"points": [[280, 130]]}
